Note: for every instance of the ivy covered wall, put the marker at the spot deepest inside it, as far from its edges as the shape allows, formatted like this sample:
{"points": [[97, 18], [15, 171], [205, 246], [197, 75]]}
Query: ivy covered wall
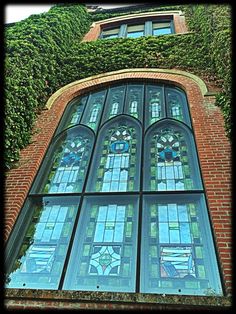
{"points": [[44, 52]]}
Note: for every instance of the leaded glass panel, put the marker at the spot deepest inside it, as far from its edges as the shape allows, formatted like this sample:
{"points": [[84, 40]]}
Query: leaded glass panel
{"points": [[73, 113], [40, 259], [69, 162], [117, 158], [114, 102], [177, 254], [171, 160], [155, 109], [177, 105], [92, 114], [134, 101], [103, 256]]}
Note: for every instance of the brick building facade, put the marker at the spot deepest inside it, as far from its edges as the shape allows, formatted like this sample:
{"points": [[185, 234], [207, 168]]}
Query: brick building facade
{"points": [[214, 154]]}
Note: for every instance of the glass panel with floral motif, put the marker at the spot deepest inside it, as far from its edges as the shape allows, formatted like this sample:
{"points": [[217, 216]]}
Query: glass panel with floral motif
{"points": [[176, 250], [170, 168], [69, 162], [117, 166], [41, 256], [103, 256]]}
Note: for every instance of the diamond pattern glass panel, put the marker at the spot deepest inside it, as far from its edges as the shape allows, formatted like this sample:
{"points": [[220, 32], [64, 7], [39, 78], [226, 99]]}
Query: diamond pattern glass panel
{"points": [[105, 246]]}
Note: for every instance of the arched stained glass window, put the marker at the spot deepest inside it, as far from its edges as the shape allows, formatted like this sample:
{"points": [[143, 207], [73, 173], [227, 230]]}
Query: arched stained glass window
{"points": [[118, 152], [170, 158], [118, 203], [68, 162]]}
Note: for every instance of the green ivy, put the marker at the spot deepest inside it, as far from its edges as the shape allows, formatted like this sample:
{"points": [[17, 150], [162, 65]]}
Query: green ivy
{"points": [[44, 52]]}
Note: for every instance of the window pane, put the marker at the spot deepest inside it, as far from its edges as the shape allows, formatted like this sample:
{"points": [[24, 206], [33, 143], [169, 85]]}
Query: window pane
{"points": [[135, 31], [111, 33], [114, 102], [69, 162], [134, 101], [42, 253], [93, 110], [116, 167], [177, 105], [160, 25], [178, 254], [73, 113], [103, 256], [171, 162], [162, 31], [154, 104]]}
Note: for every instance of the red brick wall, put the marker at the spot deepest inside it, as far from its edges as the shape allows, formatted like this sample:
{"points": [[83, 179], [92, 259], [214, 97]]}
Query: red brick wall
{"points": [[212, 144]]}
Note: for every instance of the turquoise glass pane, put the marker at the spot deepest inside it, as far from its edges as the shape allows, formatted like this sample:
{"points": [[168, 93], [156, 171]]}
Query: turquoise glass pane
{"points": [[162, 31], [40, 259], [115, 102], [73, 113], [69, 162], [134, 101], [177, 255], [93, 110], [135, 34], [154, 107], [177, 105], [103, 256]]}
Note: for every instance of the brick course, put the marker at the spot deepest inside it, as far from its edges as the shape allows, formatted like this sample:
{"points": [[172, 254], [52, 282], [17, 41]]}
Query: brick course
{"points": [[212, 144]]}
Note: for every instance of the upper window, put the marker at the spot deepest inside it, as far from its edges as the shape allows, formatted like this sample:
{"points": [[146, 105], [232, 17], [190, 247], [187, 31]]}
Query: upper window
{"points": [[146, 28], [118, 203]]}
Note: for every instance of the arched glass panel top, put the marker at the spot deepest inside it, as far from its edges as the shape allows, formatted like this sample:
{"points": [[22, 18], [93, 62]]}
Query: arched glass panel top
{"points": [[65, 165], [148, 103], [117, 157], [170, 158]]}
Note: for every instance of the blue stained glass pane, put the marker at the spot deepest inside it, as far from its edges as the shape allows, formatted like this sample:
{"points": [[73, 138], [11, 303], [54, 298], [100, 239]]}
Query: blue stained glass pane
{"points": [[185, 233], [164, 232], [182, 212], [162, 213], [102, 213], [119, 231], [174, 236], [172, 212], [99, 232], [39, 262]]}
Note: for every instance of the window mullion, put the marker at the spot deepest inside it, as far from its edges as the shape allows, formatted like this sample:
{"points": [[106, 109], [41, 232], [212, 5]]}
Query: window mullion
{"points": [[123, 31]]}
